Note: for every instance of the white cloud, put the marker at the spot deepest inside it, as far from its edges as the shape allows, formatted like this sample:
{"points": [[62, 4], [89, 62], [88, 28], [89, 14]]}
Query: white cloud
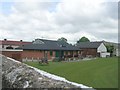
{"points": [[71, 19]]}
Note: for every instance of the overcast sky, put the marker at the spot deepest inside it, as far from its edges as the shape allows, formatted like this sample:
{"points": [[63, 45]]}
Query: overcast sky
{"points": [[52, 19]]}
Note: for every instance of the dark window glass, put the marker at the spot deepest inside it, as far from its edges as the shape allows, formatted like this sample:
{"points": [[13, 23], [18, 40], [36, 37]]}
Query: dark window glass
{"points": [[51, 53], [2, 46], [9, 47], [66, 52]]}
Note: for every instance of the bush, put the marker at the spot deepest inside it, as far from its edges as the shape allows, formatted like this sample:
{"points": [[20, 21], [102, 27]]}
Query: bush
{"points": [[57, 59]]}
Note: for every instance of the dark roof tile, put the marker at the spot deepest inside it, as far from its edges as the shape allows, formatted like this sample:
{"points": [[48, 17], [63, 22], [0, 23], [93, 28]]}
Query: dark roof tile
{"points": [[49, 45], [88, 44]]}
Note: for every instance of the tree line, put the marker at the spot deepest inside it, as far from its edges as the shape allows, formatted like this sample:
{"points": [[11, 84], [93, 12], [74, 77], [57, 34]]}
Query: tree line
{"points": [[82, 39]]}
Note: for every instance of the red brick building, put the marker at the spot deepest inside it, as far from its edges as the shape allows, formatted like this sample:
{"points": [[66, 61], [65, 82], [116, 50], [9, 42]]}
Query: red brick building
{"points": [[92, 49], [32, 51], [10, 44], [8, 48], [50, 49], [15, 54], [40, 48]]}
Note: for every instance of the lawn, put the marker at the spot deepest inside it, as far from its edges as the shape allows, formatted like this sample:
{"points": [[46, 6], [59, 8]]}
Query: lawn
{"points": [[99, 73]]}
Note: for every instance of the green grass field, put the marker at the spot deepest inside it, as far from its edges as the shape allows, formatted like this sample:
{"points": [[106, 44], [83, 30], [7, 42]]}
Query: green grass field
{"points": [[99, 73]]}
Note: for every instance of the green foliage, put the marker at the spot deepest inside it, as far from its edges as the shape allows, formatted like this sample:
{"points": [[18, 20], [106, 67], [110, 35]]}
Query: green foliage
{"points": [[62, 39], [83, 39], [99, 73], [57, 59], [110, 48]]}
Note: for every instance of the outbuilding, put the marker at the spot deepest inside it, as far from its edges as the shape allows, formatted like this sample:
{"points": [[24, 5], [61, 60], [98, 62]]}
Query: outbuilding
{"points": [[93, 49]]}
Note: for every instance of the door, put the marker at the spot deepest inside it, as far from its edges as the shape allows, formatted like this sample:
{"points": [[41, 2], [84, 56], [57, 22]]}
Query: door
{"points": [[57, 53]]}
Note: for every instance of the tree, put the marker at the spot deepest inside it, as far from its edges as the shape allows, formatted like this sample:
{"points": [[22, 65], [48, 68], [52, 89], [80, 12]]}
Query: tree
{"points": [[110, 48], [83, 39], [62, 39]]}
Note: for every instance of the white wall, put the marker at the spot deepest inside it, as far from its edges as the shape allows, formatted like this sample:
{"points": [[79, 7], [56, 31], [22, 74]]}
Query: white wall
{"points": [[104, 54], [14, 46], [102, 48], [0, 46], [117, 52]]}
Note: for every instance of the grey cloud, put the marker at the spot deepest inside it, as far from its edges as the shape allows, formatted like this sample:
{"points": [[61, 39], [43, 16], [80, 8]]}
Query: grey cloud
{"points": [[42, 21], [104, 20], [111, 9]]}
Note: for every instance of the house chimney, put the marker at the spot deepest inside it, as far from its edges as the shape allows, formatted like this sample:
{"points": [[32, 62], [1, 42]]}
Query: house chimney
{"points": [[5, 39]]}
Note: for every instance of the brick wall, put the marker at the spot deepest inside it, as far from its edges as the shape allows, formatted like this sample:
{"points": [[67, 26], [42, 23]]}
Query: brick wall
{"points": [[13, 54], [32, 55], [36, 55], [69, 52], [92, 52], [50, 57]]}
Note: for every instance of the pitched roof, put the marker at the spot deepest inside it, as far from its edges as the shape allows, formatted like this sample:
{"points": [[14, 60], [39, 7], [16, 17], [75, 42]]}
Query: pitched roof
{"points": [[42, 44], [88, 44], [116, 45], [9, 42]]}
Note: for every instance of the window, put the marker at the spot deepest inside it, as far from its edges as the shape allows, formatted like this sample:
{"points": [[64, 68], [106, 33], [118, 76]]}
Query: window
{"points": [[71, 52], [9, 47], [66, 52], [51, 53], [76, 52], [2, 46]]}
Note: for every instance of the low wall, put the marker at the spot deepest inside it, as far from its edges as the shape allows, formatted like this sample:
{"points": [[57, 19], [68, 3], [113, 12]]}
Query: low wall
{"points": [[18, 75], [16, 54]]}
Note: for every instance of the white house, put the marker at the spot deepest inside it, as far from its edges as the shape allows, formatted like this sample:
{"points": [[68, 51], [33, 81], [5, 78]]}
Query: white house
{"points": [[102, 50]]}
